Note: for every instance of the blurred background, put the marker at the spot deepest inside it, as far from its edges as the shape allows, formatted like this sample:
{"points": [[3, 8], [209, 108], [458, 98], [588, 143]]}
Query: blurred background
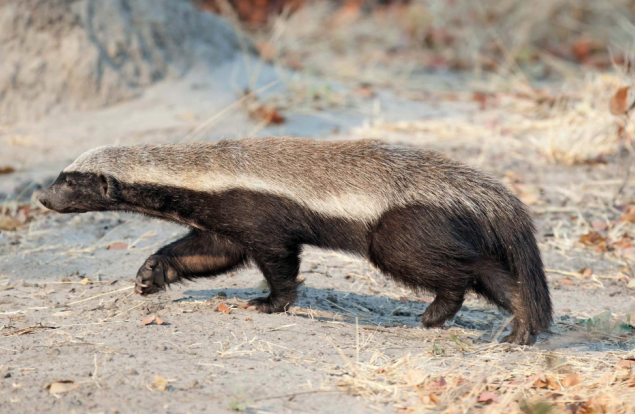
{"points": [[537, 93]]}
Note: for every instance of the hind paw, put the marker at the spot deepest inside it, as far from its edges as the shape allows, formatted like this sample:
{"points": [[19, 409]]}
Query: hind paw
{"points": [[265, 305], [520, 337]]}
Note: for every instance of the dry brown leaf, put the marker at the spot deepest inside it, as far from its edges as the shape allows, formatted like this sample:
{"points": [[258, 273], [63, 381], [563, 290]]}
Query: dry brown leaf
{"points": [[8, 223], [148, 320], [481, 98], [6, 170], [629, 253], [626, 242], [628, 217], [581, 49], [528, 194], [619, 101], [437, 385], [223, 308], [571, 380], [626, 363], [567, 282], [552, 384], [436, 400], [268, 114], [365, 91], [159, 321], [118, 246], [586, 272], [60, 387], [599, 225], [415, 377], [594, 239], [599, 401], [160, 383], [487, 397]]}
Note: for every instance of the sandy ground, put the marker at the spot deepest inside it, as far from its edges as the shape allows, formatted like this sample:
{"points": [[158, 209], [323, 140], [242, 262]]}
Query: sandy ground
{"points": [[67, 312]]}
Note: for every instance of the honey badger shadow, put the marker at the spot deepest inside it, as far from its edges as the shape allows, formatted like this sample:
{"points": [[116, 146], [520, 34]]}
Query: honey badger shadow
{"points": [[428, 222]]}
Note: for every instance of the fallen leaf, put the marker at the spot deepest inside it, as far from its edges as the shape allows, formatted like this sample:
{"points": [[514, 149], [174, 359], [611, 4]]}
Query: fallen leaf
{"points": [[567, 282], [618, 105], [6, 170], [223, 308], [599, 401], [365, 91], [60, 387], [528, 194], [626, 363], [415, 377], [581, 49], [481, 98], [118, 246], [268, 114], [552, 384], [8, 223], [159, 321], [571, 380], [148, 320], [629, 253], [628, 217], [487, 397], [23, 214], [624, 243], [594, 239], [84, 281], [586, 272], [160, 383], [599, 225], [437, 385], [434, 399]]}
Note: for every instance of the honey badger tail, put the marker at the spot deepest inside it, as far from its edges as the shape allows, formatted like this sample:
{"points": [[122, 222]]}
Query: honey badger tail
{"points": [[534, 309]]}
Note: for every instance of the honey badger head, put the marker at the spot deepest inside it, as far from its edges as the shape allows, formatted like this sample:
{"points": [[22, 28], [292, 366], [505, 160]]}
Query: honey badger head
{"points": [[79, 189]]}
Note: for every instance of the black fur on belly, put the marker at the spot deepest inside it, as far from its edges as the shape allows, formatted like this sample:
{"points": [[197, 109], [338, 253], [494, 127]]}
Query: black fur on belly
{"points": [[423, 246]]}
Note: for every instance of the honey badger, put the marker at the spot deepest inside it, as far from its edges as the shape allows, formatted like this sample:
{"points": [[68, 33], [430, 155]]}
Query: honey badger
{"points": [[426, 221]]}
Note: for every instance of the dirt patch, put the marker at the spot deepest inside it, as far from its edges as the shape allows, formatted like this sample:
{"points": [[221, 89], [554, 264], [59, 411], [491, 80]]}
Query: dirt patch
{"points": [[80, 54]]}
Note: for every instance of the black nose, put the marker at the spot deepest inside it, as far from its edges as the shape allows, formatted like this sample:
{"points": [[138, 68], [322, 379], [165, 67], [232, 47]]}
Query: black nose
{"points": [[44, 201]]}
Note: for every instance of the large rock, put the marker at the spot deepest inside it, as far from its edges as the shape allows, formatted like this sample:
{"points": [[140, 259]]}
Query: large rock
{"points": [[81, 54]]}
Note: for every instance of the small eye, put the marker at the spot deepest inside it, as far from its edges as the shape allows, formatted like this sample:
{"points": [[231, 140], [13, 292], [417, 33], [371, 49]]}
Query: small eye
{"points": [[70, 183]]}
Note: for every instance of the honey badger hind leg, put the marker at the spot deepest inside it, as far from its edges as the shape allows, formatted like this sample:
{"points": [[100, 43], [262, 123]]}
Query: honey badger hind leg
{"points": [[416, 246], [280, 268], [198, 254]]}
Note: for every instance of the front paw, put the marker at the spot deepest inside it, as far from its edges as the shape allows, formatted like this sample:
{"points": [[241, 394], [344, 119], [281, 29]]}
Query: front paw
{"points": [[154, 275]]}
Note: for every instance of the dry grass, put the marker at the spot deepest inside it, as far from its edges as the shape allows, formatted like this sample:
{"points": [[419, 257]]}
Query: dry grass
{"points": [[506, 44], [542, 37]]}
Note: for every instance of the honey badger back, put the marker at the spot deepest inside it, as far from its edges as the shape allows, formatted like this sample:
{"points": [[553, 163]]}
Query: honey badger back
{"points": [[422, 219]]}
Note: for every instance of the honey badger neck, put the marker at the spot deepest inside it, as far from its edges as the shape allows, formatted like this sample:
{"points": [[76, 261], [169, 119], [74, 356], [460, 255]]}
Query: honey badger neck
{"points": [[254, 218]]}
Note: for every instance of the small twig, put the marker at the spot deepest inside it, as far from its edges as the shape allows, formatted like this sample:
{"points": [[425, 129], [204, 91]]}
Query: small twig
{"points": [[502, 328], [100, 295], [273, 397]]}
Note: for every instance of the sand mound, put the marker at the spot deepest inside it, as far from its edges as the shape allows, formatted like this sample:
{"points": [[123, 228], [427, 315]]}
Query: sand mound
{"points": [[80, 54]]}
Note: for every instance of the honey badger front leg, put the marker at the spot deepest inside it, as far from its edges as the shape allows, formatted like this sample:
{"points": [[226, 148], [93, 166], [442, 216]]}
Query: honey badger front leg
{"points": [[198, 254]]}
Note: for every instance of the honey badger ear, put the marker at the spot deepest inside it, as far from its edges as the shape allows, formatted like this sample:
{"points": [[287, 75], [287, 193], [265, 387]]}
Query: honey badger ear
{"points": [[103, 184], [108, 186]]}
